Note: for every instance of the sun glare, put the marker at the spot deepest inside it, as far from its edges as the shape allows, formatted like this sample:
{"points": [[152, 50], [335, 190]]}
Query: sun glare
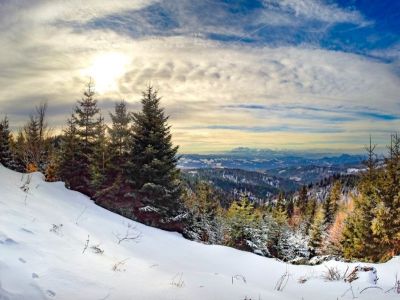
{"points": [[106, 69]]}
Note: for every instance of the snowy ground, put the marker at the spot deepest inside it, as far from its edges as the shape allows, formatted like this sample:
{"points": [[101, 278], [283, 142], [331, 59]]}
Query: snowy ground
{"points": [[41, 259]]}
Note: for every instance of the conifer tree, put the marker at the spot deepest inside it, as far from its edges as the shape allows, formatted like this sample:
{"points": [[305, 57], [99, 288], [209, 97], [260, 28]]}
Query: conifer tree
{"points": [[115, 186], [204, 220], [86, 121], [241, 217], [153, 159], [20, 153], [358, 238], [100, 157], [279, 211], [303, 200], [119, 134], [386, 222], [68, 159], [32, 144], [317, 230], [310, 214], [332, 202], [6, 157]]}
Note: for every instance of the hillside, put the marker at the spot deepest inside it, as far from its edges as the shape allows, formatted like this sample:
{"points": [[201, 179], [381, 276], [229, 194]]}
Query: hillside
{"points": [[57, 244]]}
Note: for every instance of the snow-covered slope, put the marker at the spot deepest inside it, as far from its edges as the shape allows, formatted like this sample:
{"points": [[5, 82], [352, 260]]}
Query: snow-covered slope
{"points": [[42, 259]]}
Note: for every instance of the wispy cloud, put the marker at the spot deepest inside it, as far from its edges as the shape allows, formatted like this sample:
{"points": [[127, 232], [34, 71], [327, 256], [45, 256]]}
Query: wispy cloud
{"points": [[231, 73]]}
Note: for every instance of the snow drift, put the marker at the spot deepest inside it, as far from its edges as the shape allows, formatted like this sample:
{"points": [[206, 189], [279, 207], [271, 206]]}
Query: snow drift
{"points": [[57, 244]]}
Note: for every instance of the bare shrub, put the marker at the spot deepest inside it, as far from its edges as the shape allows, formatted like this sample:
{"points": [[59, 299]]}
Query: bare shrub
{"points": [[57, 229], [177, 280], [282, 281], [86, 244], [332, 274], [130, 235], [96, 249], [119, 266], [239, 277]]}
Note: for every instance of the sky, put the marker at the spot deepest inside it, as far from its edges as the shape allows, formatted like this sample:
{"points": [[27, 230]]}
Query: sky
{"points": [[278, 74]]}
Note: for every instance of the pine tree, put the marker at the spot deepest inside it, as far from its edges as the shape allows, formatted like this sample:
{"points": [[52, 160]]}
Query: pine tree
{"points": [[115, 186], [358, 238], [317, 231], [100, 157], [279, 211], [119, 134], [204, 219], [153, 159], [68, 164], [20, 153], [309, 214], [303, 200], [6, 157], [241, 217], [86, 122], [32, 144], [386, 223], [332, 202]]}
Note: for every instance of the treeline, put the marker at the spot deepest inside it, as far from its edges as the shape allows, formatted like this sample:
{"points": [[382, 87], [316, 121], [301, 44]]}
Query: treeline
{"points": [[130, 167], [363, 224]]}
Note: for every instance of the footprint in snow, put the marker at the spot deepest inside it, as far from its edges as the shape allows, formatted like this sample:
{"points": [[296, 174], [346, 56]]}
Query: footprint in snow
{"points": [[8, 241], [27, 230], [50, 293], [34, 275], [22, 260]]}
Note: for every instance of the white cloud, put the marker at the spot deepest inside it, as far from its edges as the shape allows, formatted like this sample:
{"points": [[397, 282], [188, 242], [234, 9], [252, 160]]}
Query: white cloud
{"points": [[198, 79], [318, 10]]}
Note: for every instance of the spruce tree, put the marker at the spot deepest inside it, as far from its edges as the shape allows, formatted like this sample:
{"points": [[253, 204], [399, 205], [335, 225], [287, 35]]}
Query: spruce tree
{"points": [[317, 231], [86, 119], [115, 186], [68, 159], [204, 214], [6, 157], [32, 144], [242, 217], [332, 202], [386, 222], [99, 160], [153, 159], [358, 238], [303, 200], [20, 156]]}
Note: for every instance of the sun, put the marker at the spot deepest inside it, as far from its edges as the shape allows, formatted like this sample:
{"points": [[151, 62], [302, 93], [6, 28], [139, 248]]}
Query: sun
{"points": [[106, 69]]}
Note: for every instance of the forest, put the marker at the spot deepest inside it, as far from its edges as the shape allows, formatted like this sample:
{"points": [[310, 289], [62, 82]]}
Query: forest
{"points": [[130, 167]]}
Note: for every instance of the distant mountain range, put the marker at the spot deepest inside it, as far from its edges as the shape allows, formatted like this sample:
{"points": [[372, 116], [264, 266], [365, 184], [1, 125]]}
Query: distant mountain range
{"points": [[264, 173], [267, 160]]}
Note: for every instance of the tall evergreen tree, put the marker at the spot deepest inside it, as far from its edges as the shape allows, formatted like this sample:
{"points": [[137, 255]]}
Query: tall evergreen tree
{"points": [[6, 157], [32, 144], [153, 159], [68, 165], [20, 155], [358, 238], [100, 157], [86, 119], [115, 187], [332, 202], [317, 231], [204, 214], [303, 200], [386, 223]]}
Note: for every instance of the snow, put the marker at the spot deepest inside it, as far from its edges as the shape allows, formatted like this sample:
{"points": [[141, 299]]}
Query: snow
{"points": [[43, 255]]}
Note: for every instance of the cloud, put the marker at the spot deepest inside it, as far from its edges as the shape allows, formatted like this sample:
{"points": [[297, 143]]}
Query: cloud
{"points": [[219, 94], [317, 10]]}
